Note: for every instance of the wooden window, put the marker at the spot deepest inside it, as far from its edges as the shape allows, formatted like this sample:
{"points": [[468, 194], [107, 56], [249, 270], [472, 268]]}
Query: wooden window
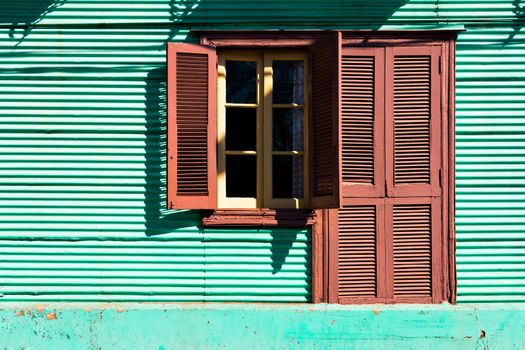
{"points": [[377, 144], [258, 124]]}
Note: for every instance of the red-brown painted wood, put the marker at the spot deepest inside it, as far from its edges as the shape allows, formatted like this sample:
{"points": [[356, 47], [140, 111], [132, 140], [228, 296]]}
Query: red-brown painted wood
{"points": [[413, 121], [416, 223], [414, 247], [317, 258], [450, 179], [361, 242], [442, 43], [362, 132], [192, 127], [259, 217], [332, 259], [326, 122]]}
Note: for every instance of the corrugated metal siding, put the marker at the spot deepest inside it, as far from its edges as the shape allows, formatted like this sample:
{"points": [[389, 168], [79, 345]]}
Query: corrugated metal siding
{"points": [[82, 181], [222, 12], [190, 265], [82, 177], [490, 214]]}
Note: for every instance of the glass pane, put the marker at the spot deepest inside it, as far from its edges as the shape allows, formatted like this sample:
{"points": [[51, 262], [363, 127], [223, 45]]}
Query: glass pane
{"points": [[288, 177], [241, 133], [288, 129], [288, 82], [241, 80], [241, 176]]}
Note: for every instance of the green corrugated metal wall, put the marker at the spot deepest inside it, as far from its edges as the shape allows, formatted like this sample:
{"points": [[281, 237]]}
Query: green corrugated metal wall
{"points": [[490, 215], [82, 175]]}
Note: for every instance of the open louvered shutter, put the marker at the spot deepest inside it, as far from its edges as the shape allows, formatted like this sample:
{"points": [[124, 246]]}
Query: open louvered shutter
{"points": [[362, 114], [326, 122], [413, 119], [192, 169], [413, 248]]}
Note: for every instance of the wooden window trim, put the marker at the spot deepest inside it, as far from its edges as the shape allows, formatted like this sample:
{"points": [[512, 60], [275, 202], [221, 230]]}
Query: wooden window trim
{"points": [[322, 220], [259, 217]]}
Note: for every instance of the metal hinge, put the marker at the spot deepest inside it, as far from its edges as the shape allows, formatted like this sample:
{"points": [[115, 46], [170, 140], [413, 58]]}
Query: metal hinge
{"points": [[439, 65], [440, 177]]}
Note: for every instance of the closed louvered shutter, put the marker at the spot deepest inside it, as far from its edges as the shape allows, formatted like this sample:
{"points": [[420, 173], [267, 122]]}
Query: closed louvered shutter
{"points": [[413, 227], [326, 122], [360, 271], [192, 171], [362, 114], [412, 121], [389, 230]]}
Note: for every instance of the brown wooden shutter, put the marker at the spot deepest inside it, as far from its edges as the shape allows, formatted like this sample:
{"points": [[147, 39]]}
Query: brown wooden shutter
{"points": [[192, 169], [413, 120], [326, 122], [387, 245], [362, 110], [413, 227], [360, 269], [413, 148]]}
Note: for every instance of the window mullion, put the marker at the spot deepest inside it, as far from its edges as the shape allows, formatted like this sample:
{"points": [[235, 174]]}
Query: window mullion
{"points": [[267, 170]]}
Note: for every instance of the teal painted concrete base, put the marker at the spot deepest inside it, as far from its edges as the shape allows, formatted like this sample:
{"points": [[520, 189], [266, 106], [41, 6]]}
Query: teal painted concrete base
{"points": [[260, 326]]}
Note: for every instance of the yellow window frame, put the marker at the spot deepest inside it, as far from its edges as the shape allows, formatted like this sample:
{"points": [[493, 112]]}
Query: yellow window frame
{"points": [[264, 106]]}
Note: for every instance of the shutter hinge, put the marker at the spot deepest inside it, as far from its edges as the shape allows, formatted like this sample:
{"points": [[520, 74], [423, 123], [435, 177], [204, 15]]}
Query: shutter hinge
{"points": [[440, 177], [439, 65]]}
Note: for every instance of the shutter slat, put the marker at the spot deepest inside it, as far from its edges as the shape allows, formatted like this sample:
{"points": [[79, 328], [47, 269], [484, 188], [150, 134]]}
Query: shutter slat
{"points": [[358, 117], [192, 138], [413, 69]]}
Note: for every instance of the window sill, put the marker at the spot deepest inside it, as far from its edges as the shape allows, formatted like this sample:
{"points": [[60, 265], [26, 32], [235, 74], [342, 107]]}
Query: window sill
{"points": [[259, 217]]}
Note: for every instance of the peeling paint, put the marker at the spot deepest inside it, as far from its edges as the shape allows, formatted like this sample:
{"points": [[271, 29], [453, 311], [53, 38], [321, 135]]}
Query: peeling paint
{"points": [[51, 316], [40, 308], [21, 313], [255, 326]]}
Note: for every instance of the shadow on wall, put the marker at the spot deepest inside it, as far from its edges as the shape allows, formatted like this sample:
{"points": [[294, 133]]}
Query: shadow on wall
{"points": [[158, 219], [519, 13], [207, 13], [25, 13]]}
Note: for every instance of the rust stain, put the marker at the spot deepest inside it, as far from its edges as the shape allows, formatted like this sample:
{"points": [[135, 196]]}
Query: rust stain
{"points": [[332, 322], [51, 316], [40, 308], [22, 312], [376, 312], [120, 310]]}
